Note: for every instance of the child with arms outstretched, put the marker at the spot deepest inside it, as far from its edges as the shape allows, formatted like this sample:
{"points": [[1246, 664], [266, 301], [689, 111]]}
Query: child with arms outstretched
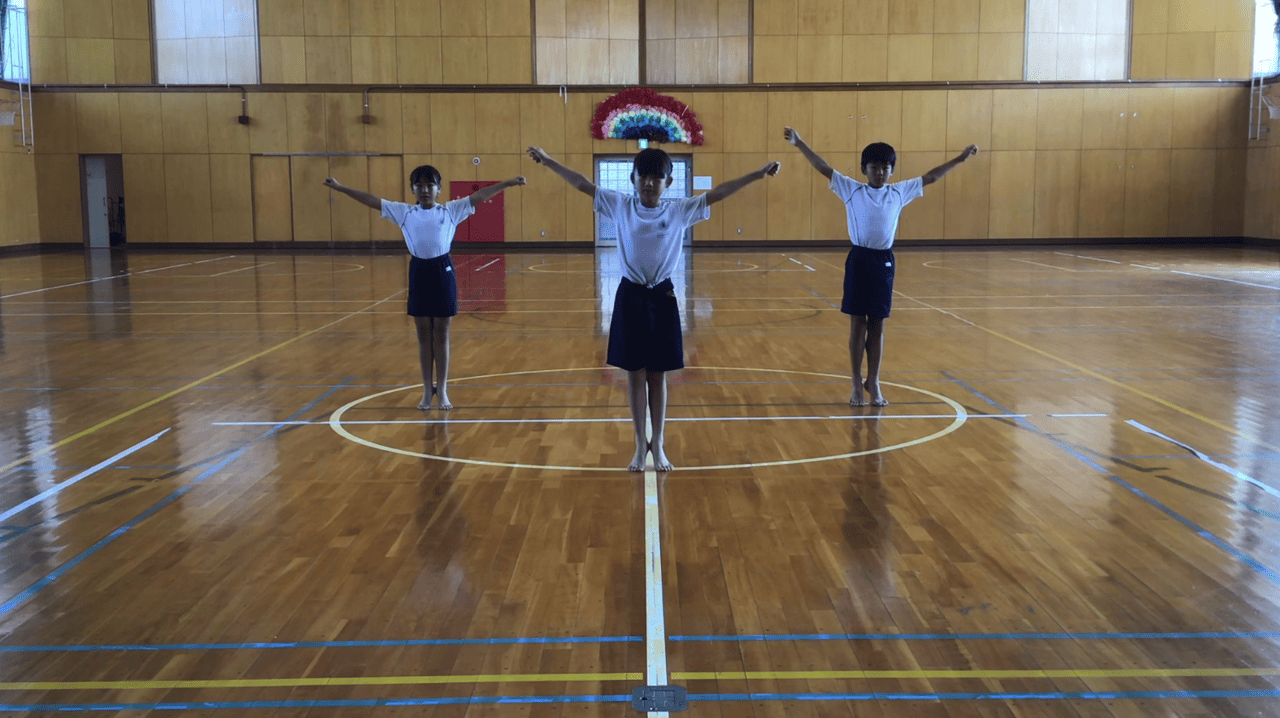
{"points": [[873, 209], [428, 227], [644, 332]]}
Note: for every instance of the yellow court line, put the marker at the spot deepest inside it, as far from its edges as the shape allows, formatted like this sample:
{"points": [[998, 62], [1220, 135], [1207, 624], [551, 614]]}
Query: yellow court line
{"points": [[179, 390], [602, 677]]}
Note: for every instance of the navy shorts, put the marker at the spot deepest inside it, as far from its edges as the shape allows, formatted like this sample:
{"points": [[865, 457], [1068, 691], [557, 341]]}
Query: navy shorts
{"points": [[868, 282], [645, 330], [433, 289]]}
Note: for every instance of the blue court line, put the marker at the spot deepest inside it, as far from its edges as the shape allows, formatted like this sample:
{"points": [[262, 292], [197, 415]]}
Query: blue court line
{"points": [[693, 697], [267, 645], [1188, 523], [64, 568]]}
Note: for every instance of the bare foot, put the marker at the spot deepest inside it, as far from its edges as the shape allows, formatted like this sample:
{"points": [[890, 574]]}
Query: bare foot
{"points": [[856, 398], [426, 399], [877, 399], [637, 461], [660, 460], [442, 399]]}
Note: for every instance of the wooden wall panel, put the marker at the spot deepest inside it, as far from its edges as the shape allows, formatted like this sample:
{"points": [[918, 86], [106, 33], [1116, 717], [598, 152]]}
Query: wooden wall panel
{"points": [[268, 123], [745, 127], [373, 60], [1150, 118], [1102, 192], [866, 17], [785, 108], [386, 134], [48, 60], [226, 134], [284, 59], [1013, 182], [1014, 120], [326, 17], [328, 60], [90, 18], [787, 195], [776, 17], [1146, 191], [311, 208], [305, 115], [1195, 117], [343, 130], [1057, 203], [58, 196], [453, 123], [955, 57], [1000, 56], [925, 120], [1105, 119], [968, 119], [776, 58], [464, 60], [910, 58], [98, 123], [697, 61], [1229, 209], [419, 60], [374, 17], [231, 197], [881, 119], [911, 17], [133, 62], [967, 205], [865, 58], [819, 17], [819, 59], [91, 61], [349, 219], [747, 210], [544, 202], [272, 199], [579, 216], [387, 179], [510, 63], [501, 167], [923, 218], [711, 165], [835, 124], [417, 122], [188, 197], [1059, 119], [147, 218], [497, 117], [1191, 192], [418, 18], [186, 123]]}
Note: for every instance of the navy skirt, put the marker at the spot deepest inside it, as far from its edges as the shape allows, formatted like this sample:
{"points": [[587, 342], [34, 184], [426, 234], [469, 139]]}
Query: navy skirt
{"points": [[644, 332], [868, 282], [433, 288]]}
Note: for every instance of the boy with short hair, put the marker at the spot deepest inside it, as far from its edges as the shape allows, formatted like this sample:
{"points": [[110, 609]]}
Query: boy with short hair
{"points": [[644, 332], [873, 209], [428, 227]]}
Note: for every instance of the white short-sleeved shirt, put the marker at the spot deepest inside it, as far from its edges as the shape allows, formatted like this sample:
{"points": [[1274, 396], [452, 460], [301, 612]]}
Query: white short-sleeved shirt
{"points": [[873, 213], [650, 240], [428, 232]]}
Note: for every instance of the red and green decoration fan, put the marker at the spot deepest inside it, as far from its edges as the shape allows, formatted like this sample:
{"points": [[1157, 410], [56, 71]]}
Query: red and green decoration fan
{"points": [[640, 113]]}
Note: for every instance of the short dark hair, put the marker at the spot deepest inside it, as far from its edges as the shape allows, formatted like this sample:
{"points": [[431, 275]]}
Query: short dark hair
{"points": [[425, 172], [879, 152], [651, 162]]}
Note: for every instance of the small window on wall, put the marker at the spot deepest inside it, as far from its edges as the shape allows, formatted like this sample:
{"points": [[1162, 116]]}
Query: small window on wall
{"points": [[206, 42], [15, 55], [1266, 39], [1077, 39]]}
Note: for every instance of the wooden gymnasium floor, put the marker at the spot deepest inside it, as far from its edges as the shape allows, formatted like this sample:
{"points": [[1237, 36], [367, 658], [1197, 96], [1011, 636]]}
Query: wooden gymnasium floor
{"points": [[1069, 509]]}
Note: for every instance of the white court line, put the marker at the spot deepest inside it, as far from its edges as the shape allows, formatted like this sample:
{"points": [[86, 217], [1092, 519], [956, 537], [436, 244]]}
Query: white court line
{"points": [[1050, 266], [1096, 259], [1223, 279], [114, 276], [1145, 266], [82, 475], [802, 264], [1205, 458], [606, 420], [486, 265], [251, 266], [655, 622], [1075, 416]]}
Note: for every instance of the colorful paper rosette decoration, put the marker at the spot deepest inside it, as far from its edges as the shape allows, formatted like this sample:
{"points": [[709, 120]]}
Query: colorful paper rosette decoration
{"points": [[639, 113]]}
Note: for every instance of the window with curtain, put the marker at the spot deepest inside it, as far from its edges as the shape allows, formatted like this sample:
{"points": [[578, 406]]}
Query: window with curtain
{"points": [[1077, 39], [1266, 38], [15, 54], [206, 42]]}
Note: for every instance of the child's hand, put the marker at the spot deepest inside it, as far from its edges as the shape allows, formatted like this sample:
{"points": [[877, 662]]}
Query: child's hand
{"points": [[331, 183], [538, 155], [772, 169], [517, 181], [791, 135], [969, 151]]}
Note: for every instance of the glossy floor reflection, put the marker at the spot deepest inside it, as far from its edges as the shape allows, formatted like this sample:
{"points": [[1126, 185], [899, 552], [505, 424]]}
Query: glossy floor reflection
{"points": [[217, 495]]}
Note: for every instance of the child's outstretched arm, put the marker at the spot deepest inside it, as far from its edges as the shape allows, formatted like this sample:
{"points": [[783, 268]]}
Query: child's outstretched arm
{"points": [[936, 173], [363, 198], [484, 194], [575, 180], [724, 189], [818, 163]]}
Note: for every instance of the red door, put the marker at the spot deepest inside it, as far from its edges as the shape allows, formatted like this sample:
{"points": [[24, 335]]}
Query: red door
{"points": [[488, 224]]}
